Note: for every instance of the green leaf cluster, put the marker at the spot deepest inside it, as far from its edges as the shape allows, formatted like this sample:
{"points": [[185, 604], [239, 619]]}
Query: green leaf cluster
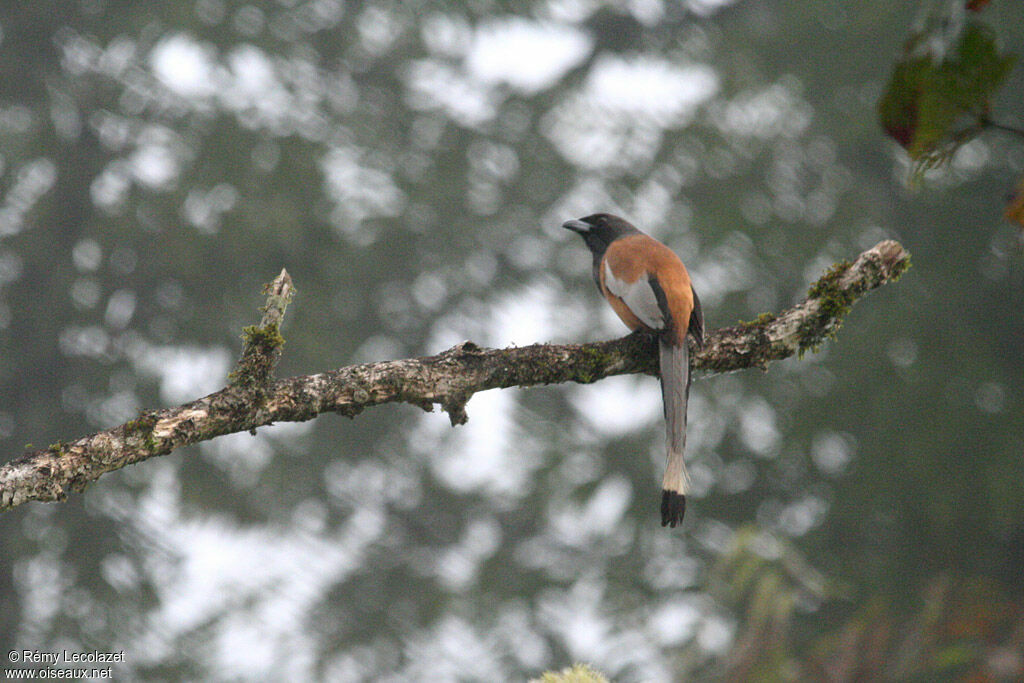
{"points": [[927, 96]]}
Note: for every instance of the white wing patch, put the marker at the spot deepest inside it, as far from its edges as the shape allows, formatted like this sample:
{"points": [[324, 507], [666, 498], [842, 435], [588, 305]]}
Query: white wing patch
{"points": [[638, 296]]}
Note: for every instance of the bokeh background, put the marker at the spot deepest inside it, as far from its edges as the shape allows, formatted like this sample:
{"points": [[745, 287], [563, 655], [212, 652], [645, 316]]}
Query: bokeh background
{"points": [[859, 510]]}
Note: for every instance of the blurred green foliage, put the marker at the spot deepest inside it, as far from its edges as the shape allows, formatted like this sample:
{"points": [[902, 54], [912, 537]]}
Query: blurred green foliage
{"points": [[935, 100], [859, 511]]}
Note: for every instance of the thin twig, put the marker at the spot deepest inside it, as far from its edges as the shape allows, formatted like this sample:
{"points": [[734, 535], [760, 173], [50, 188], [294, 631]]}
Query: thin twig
{"points": [[989, 123]]}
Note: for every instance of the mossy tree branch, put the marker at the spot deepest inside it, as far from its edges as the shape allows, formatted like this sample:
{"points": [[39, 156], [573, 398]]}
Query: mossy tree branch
{"points": [[253, 398], [263, 342]]}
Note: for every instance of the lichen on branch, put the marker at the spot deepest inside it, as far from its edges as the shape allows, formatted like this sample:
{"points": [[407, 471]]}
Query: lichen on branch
{"points": [[264, 343], [253, 398]]}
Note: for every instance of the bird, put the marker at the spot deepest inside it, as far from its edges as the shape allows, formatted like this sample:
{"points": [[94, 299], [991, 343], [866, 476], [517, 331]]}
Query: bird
{"points": [[649, 288]]}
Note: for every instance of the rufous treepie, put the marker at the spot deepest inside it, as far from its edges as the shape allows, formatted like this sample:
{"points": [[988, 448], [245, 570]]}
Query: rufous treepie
{"points": [[648, 287]]}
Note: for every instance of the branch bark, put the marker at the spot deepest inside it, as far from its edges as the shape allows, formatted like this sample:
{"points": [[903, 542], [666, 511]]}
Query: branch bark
{"points": [[253, 398]]}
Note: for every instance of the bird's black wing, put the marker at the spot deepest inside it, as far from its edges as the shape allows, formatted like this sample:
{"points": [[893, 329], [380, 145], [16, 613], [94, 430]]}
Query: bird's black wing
{"points": [[696, 328]]}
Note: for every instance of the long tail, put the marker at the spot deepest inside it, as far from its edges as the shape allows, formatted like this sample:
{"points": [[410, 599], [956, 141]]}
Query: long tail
{"points": [[675, 390]]}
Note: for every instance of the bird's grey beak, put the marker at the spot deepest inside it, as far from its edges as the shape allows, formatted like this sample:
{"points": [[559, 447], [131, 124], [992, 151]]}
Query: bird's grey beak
{"points": [[577, 226]]}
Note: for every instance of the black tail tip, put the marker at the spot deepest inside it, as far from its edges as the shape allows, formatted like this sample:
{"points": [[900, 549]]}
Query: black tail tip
{"points": [[673, 507]]}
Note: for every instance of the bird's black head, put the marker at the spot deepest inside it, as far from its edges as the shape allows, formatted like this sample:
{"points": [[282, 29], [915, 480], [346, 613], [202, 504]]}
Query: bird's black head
{"points": [[599, 230]]}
